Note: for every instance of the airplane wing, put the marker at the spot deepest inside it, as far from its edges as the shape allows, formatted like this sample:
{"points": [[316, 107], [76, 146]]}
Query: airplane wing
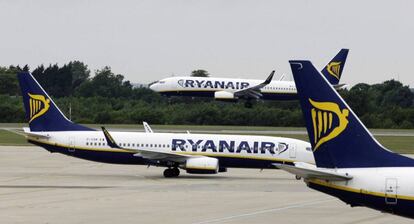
{"points": [[149, 154], [147, 128], [254, 91], [307, 171]]}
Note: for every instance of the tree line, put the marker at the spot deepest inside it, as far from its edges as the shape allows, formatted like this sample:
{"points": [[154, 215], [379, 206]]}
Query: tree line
{"points": [[107, 98]]}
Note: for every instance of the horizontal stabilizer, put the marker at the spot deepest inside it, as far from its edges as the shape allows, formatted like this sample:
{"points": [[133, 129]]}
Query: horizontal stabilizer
{"points": [[308, 171], [28, 133], [339, 86]]}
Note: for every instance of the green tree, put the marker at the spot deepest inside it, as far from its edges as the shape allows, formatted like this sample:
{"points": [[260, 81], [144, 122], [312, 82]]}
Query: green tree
{"points": [[200, 73]]}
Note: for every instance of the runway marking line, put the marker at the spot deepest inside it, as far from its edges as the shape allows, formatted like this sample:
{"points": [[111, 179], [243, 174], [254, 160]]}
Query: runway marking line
{"points": [[298, 205]]}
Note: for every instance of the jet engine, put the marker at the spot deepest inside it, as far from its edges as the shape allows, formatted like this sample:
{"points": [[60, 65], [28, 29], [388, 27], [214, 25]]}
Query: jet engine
{"points": [[224, 95], [202, 165]]}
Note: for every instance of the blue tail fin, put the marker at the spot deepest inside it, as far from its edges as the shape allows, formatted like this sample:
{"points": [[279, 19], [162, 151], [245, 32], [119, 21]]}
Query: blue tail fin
{"points": [[41, 112], [333, 70], [338, 138]]}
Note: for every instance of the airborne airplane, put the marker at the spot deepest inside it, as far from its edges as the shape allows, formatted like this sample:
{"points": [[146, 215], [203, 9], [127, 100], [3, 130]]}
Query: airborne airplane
{"points": [[350, 163], [195, 153], [229, 89]]}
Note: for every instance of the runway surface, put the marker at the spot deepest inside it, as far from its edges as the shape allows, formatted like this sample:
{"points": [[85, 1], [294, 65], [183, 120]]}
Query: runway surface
{"points": [[39, 187]]}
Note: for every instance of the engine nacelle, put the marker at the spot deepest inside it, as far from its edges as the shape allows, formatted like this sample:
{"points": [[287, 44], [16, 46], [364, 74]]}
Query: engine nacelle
{"points": [[224, 95], [202, 165]]}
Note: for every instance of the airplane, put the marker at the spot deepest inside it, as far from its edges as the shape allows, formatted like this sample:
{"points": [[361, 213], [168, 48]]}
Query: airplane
{"points": [[350, 163], [196, 153], [229, 89]]}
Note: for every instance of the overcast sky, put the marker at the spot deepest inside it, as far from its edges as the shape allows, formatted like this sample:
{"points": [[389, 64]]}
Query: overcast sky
{"points": [[150, 40]]}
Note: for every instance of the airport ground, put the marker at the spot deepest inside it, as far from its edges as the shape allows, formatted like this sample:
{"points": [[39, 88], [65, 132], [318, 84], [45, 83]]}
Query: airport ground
{"points": [[39, 187]]}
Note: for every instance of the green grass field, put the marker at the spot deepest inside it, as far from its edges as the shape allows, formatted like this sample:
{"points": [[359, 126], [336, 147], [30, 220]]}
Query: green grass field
{"points": [[10, 138], [398, 143]]}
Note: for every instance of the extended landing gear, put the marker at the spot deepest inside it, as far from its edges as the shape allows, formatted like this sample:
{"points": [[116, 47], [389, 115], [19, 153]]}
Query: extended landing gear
{"points": [[298, 177], [171, 172]]}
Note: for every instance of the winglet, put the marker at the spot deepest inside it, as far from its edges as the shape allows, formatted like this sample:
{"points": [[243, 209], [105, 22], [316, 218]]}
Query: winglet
{"points": [[111, 142], [269, 78]]}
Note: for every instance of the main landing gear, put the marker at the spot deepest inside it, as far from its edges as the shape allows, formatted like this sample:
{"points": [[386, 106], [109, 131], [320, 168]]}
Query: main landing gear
{"points": [[171, 172]]}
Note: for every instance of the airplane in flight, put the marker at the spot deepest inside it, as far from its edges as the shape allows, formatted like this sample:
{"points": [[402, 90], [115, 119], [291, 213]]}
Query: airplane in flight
{"points": [[230, 89], [350, 163], [196, 153]]}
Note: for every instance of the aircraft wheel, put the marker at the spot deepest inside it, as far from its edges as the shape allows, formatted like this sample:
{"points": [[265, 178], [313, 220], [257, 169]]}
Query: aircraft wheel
{"points": [[176, 172], [168, 173], [298, 177]]}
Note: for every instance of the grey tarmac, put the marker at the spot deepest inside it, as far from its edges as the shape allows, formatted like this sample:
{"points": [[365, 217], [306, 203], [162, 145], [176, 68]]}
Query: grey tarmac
{"points": [[39, 187]]}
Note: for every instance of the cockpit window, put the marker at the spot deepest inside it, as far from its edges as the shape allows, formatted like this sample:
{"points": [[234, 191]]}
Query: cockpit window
{"points": [[308, 149], [161, 82]]}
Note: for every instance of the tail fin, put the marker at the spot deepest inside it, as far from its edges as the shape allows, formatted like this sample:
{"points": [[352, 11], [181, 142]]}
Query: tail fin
{"points": [[338, 138], [333, 70], [41, 112]]}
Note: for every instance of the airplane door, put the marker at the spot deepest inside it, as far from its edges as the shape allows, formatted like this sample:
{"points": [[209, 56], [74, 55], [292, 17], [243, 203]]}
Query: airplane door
{"points": [[71, 144], [391, 191], [292, 151]]}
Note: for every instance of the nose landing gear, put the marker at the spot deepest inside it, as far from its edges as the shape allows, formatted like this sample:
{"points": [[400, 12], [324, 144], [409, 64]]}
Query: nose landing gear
{"points": [[171, 172]]}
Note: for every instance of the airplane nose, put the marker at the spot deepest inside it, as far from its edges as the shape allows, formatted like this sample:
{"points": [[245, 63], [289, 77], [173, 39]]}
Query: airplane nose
{"points": [[153, 87]]}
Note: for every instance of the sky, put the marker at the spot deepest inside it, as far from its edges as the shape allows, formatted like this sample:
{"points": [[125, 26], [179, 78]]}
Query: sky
{"points": [[150, 40]]}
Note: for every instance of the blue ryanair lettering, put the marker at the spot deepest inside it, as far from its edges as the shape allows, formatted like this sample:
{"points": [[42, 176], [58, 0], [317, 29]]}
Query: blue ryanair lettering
{"points": [[224, 146], [244, 146], [230, 85], [199, 83], [208, 84], [209, 145], [178, 143], [269, 146], [194, 144], [189, 83], [219, 85]]}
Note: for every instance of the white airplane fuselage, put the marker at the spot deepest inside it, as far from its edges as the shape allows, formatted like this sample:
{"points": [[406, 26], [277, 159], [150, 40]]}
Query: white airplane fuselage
{"points": [[219, 88], [231, 150]]}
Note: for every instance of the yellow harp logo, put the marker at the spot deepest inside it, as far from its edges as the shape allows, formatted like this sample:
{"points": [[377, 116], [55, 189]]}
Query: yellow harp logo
{"points": [[333, 69], [323, 118], [38, 105]]}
